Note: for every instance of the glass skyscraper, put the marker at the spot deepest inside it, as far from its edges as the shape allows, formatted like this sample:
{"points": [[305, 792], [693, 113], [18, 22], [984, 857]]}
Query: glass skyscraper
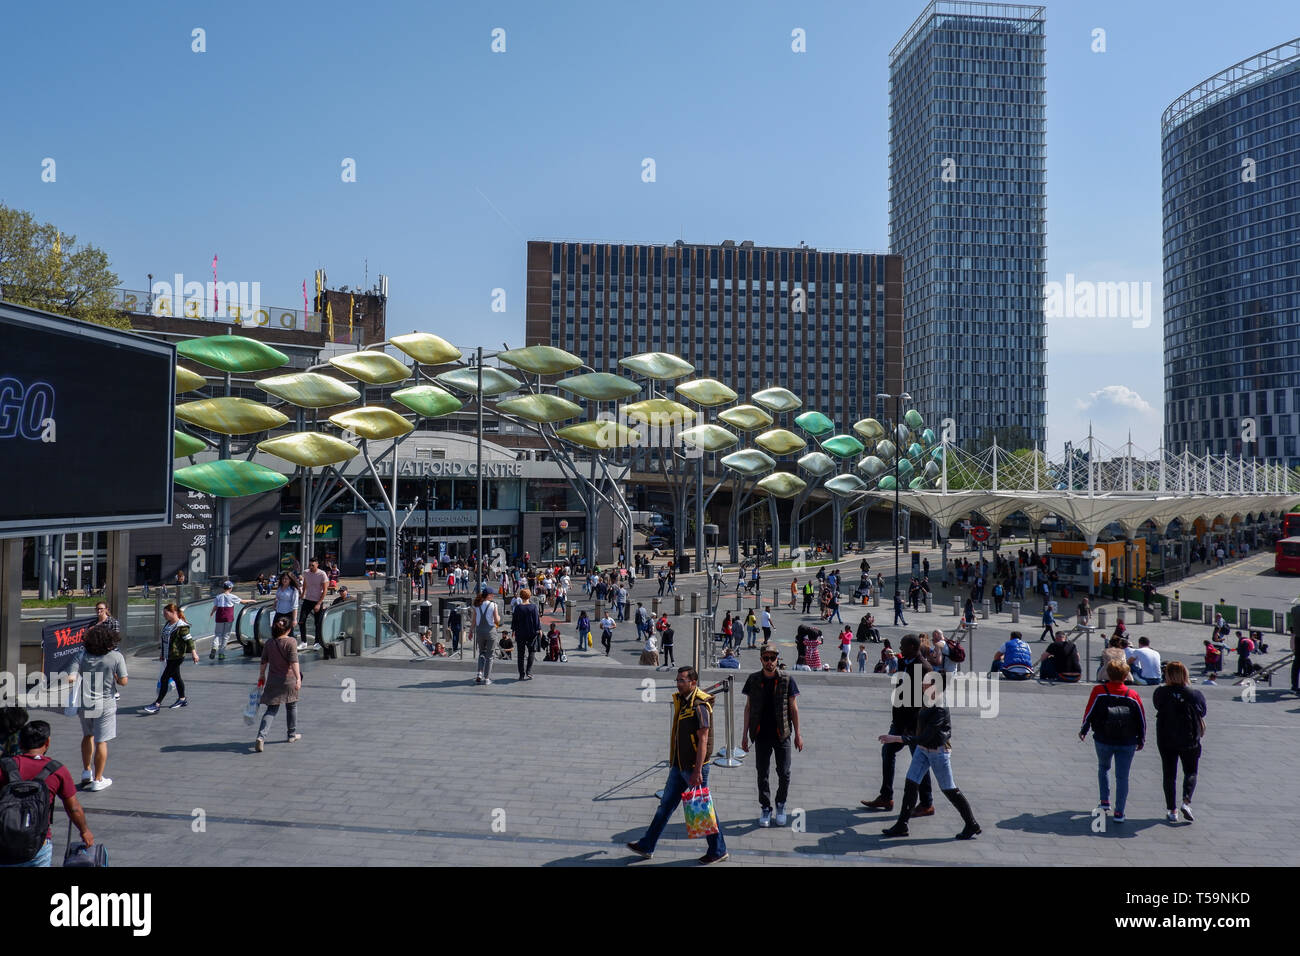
{"points": [[1230, 153], [967, 212]]}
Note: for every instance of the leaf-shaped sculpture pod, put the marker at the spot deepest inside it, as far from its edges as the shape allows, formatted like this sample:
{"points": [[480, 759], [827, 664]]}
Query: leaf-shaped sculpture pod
{"points": [[659, 413], [887, 483], [230, 416], [706, 391], [927, 436], [904, 468], [781, 484], [915, 450], [843, 446], [904, 436], [751, 462], [232, 353], [937, 453], [543, 409], [815, 423], [869, 429], [232, 478], [777, 399], [429, 401], [660, 366], [309, 390], [886, 450], [872, 465], [184, 445], [427, 348], [844, 485], [541, 360], [598, 435], [917, 482], [372, 422], [310, 449], [745, 417], [187, 381], [709, 437], [932, 470], [600, 386], [780, 441], [913, 419], [373, 368], [495, 381], [817, 464]]}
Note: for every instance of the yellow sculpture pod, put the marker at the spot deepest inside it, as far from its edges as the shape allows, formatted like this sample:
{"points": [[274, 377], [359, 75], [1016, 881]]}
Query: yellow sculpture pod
{"points": [[429, 401], [706, 391], [373, 368], [659, 412], [600, 386], [541, 360], [599, 436], [543, 409], [869, 429], [187, 381], [495, 381], [709, 437], [230, 416], [372, 422], [745, 417], [661, 366], [778, 399], [309, 449], [751, 462], [782, 484], [780, 441], [309, 390], [426, 348], [184, 445]]}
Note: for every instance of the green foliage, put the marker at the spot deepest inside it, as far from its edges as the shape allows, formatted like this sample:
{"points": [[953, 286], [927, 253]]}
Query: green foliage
{"points": [[43, 270]]}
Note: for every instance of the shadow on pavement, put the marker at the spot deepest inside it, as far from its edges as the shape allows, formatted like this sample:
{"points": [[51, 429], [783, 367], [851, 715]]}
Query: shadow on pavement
{"points": [[234, 746], [1074, 823]]}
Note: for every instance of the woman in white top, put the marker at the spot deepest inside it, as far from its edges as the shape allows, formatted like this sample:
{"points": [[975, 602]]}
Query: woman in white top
{"points": [[487, 618], [288, 598]]}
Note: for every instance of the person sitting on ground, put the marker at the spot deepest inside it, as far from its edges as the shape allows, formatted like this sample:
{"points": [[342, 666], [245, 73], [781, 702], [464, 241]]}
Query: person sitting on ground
{"points": [[1214, 651], [650, 650], [867, 630], [729, 660], [1114, 651], [1146, 663], [1258, 638], [1121, 632], [888, 663], [1060, 661], [1245, 647], [1014, 661]]}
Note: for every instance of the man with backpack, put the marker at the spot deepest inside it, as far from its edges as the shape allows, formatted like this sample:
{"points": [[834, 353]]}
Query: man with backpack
{"points": [[28, 785]]}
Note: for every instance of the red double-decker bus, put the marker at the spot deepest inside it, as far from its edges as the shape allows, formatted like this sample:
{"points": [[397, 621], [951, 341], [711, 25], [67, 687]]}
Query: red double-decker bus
{"points": [[1291, 525], [1286, 558]]}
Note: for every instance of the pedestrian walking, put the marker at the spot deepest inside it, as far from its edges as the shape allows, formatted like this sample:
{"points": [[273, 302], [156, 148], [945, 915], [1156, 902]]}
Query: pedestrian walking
{"points": [[287, 598], [898, 609], [771, 718], [688, 767], [223, 610], [526, 626], [102, 669], [1049, 623], [998, 594], [1180, 724], [315, 582], [794, 591], [175, 643], [280, 677], [584, 630], [903, 720], [1119, 729], [767, 627], [487, 618], [666, 645], [932, 753], [607, 625], [751, 628]]}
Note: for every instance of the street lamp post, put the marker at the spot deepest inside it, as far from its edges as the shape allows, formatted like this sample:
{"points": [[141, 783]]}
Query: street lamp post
{"points": [[898, 417]]}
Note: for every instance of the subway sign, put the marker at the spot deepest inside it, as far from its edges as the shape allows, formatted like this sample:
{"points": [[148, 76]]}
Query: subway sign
{"points": [[325, 531]]}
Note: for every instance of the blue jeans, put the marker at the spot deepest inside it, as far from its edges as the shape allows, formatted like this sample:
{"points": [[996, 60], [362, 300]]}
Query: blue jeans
{"points": [[1123, 761], [42, 858], [678, 782], [938, 762]]}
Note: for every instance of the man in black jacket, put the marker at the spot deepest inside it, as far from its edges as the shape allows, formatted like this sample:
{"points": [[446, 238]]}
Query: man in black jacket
{"points": [[771, 718], [526, 624], [907, 688], [933, 735]]}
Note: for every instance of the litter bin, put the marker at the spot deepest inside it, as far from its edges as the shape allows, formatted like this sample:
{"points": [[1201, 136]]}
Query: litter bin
{"points": [[426, 614], [682, 564]]}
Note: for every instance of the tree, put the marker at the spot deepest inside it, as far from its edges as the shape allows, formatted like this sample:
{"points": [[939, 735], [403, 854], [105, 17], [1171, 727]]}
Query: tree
{"points": [[40, 269]]}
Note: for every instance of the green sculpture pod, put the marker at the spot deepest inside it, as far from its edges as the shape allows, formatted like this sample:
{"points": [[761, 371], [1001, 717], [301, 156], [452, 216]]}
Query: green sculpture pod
{"points": [[887, 483], [232, 478], [495, 381], [232, 353], [913, 419], [815, 423], [184, 445], [541, 360], [543, 409], [915, 450], [429, 401], [917, 483], [600, 386], [927, 436], [230, 416], [309, 390], [843, 446]]}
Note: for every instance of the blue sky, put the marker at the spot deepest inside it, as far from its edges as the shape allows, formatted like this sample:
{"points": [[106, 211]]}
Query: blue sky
{"points": [[165, 156]]}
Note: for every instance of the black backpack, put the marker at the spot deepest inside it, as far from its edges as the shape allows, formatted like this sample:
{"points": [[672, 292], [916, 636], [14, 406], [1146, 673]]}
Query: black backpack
{"points": [[26, 810], [1120, 722], [1186, 726]]}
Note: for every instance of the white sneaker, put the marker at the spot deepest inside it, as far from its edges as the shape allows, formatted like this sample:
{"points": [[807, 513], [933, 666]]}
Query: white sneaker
{"points": [[87, 776], [1187, 812], [302, 645], [765, 818], [780, 814], [97, 785]]}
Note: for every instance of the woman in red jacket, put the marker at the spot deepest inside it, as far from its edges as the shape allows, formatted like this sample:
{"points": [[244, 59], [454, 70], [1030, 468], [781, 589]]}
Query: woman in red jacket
{"points": [[1119, 730]]}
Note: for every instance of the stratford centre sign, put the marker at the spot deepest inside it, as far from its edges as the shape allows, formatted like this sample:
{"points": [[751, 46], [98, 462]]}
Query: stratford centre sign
{"points": [[452, 469]]}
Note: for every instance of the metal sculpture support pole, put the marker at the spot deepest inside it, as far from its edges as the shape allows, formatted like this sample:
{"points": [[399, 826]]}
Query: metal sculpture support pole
{"points": [[728, 758], [478, 547], [699, 510], [774, 519], [837, 529], [695, 652]]}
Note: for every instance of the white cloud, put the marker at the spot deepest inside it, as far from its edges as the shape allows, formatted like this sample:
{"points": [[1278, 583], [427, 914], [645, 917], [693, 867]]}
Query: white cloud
{"points": [[1115, 395]]}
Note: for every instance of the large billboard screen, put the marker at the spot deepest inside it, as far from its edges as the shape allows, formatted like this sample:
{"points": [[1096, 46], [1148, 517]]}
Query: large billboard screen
{"points": [[85, 425]]}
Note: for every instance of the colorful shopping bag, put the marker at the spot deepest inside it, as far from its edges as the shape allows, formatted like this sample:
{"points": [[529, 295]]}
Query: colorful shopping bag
{"points": [[701, 820], [250, 709]]}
